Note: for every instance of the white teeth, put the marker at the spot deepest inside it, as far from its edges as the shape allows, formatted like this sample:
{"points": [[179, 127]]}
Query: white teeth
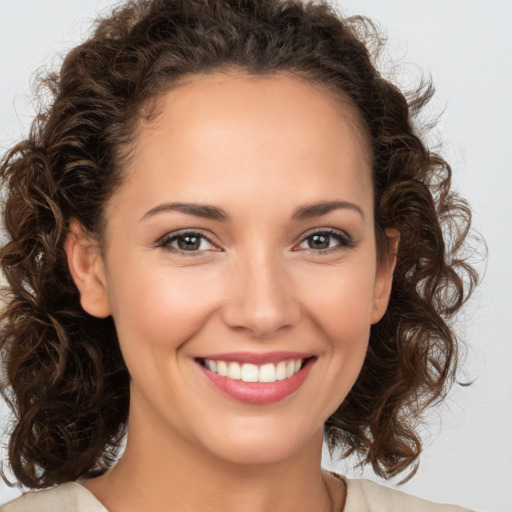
{"points": [[249, 373], [267, 373], [234, 371], [281, 371], [252, 373], [290, 369], [222, 368]]}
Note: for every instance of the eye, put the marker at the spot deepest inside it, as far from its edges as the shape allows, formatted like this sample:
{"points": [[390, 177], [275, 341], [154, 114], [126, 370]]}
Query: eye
{"points": [[187, 241], [325, 240]]}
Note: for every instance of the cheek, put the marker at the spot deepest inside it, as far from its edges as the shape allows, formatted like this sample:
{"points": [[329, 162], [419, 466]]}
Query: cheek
{"points": [[157, 309], [340, 305], [342, 300]]}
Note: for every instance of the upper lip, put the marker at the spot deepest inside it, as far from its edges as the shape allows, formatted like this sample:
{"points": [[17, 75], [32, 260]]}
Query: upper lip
{"points": [[256, 358]]}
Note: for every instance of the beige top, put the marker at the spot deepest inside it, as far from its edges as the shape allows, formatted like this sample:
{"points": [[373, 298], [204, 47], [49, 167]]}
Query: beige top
{"points": [[362, 496]]}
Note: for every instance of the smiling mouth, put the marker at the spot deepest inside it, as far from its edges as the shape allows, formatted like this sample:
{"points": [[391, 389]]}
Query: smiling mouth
{"points": [[248, 372]]}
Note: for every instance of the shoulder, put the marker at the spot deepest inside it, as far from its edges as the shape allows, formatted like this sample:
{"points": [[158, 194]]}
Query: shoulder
{"points": [[367, 496], [69, 497]]}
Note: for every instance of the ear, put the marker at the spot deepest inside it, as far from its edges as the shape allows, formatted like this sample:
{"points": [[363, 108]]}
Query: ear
{"points": [[87, 269], [384, 276]]}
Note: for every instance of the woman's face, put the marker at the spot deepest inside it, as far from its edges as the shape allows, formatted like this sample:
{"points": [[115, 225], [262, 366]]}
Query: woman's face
{"points": [[242, 242]]}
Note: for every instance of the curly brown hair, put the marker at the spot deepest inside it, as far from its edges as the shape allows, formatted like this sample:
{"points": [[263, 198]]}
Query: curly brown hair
{"points": [[66, 379]]}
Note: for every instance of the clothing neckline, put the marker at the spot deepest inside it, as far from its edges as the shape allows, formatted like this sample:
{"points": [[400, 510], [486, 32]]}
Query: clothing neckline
{"points": [[90, 496], [87, 494]]}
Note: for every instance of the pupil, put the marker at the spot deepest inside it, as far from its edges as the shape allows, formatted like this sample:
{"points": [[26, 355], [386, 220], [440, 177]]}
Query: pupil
{"points": [[189, 242], [319, 242]]}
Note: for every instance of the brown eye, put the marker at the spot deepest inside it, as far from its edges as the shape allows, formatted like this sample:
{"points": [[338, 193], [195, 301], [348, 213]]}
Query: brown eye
{"points": [[321, 241], [326, 240], [188, 241]]}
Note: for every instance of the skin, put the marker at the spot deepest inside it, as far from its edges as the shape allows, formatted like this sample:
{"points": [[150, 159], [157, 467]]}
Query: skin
{"points": [[259, 149]]}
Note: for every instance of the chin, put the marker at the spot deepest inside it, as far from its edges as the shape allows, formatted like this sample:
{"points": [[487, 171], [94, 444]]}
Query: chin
{"points": [[258, 445]]}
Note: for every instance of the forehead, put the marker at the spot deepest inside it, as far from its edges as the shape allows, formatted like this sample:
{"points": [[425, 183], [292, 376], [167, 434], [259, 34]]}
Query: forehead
{"points": [[277, 131], [201, 98]]}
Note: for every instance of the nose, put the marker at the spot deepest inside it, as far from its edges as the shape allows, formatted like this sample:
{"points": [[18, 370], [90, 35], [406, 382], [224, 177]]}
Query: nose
{"points": [[261, 298]]}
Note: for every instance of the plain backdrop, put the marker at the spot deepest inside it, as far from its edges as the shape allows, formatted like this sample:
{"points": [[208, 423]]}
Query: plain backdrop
{"points": [[466, 46]]}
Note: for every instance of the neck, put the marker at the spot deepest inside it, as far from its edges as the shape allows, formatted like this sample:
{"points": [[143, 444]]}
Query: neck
{"points": [[162, 472]]}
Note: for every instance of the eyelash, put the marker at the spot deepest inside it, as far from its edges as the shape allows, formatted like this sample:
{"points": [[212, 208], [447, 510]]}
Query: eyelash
{"points": [[343, 239], [166, 240]]}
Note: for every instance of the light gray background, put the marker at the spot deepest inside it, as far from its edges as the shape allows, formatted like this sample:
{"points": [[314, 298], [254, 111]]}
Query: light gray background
{"points": [[466, 46]]}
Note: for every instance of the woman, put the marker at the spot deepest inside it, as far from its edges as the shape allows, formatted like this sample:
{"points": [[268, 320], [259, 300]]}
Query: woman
{"points": [[225, 239]]}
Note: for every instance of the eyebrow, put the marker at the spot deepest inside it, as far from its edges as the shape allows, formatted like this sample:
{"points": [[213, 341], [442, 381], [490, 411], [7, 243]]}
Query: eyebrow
{"points": [[215, 213], [318, 209], [198, 210]]}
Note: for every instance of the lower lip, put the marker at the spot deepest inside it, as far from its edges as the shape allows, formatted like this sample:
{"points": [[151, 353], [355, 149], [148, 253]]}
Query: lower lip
{"points": [[258, 392]]}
